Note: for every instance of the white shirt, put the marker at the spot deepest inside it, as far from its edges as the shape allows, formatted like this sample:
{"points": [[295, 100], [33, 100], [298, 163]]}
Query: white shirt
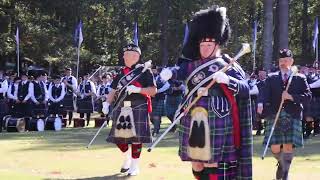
{"points": [[63, 92]]}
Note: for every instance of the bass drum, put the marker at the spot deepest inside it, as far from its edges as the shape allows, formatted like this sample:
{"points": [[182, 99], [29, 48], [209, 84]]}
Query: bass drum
{"points": [[4, 121], [15, 124], [36, 124], [53, 123]]}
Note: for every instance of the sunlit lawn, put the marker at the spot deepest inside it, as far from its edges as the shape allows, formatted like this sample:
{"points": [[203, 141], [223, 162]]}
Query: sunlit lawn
{"points": [[63, 155]]}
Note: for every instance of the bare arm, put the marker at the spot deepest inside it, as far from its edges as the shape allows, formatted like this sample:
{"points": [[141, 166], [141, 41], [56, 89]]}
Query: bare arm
{"points": [[151, 91]]}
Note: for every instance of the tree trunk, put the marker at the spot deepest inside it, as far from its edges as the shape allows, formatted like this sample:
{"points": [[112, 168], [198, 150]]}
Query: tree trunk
{"points": [[304, 34], [236, 23], [164, 13], [283, 15], [267, 34]]}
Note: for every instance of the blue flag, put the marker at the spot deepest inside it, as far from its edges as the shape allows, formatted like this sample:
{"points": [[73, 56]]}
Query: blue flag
{"points": [[17, 37], [316, 34], [186, 34], [78, 36], [135, 35]]}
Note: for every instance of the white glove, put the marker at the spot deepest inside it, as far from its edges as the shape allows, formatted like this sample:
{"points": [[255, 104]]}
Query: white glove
{"points": [[133, 89], [147, 65], [105, 107], [166, 74], [221, 77]]}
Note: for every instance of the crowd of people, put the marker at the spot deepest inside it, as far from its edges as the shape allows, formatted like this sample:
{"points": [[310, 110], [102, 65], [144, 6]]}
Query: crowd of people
{"points": [[32, 96]]}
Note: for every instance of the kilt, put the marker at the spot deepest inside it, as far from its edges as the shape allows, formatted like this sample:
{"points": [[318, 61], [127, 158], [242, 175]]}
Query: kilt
{"points": [[172, 103], [55, 108], [158, 107], [98, 106], [3, 107], [40, 109], [253, 108], [68, 102], [141, 122], [85, 105], [221, 135], [314, 107], [291, 135]]}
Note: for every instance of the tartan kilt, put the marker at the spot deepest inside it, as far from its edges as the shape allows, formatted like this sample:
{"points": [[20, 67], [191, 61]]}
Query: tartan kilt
{"points": [[68, 102], [291, 135], [158, 107], [172, 103], [141, 122], [3, 107], [314, 107], [85, 105], [98, 106], [55, 108], [221, 135]]}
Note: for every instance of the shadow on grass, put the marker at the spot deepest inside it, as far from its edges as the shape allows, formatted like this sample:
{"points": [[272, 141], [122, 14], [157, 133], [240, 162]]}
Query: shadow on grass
{"points": [[117, 176], [70, 139]]}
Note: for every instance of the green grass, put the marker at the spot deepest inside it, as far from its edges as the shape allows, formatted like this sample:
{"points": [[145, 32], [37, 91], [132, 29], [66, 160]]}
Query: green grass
{"points": [[63, 155]]}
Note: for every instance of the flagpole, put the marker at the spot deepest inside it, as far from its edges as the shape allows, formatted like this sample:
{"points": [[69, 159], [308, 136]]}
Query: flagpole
{"points": [[18, 51], [78, 61], [254, 45], [18, 61]]}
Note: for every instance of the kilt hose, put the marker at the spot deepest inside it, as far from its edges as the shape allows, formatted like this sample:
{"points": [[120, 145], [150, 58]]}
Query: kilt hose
{"points": [[288, 130], [141, 123]]}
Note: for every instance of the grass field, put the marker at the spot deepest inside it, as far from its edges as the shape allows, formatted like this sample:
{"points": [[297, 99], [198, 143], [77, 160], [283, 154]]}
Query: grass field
{"points": [[63, 155]]}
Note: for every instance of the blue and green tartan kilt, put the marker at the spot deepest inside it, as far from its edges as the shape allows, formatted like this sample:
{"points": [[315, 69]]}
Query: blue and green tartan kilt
{"points": [[221, 135], [172, 104], [288, 130], [158, 108], [314, 107], [68, 102], [85, 105], [141, 122]]}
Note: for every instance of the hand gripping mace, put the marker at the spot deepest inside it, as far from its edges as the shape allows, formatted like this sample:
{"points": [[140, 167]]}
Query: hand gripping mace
{"points": [[294, 72], [244, 50], [146, 66]]}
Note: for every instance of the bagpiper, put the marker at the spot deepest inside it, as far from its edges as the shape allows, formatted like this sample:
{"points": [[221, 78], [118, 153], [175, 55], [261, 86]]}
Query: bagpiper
{"points": [[39, 96], [287, 134], [3, 101], [103, 90], [158, 103], [85, 93], [133, 85], [56, 92], [215, 135], [71, 85]]}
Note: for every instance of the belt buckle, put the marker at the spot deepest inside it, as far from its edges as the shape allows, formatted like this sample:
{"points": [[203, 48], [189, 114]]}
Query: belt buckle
{"points": [[126, 103], [202, 90]]}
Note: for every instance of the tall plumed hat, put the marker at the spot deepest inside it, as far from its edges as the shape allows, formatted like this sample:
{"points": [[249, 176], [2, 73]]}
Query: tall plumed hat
{"points": [[207, 24]]}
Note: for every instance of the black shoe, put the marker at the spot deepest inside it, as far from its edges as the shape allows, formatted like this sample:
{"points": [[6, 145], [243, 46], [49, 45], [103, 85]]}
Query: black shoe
{"points": [[279, 172], [122, 170], [258, 133]]}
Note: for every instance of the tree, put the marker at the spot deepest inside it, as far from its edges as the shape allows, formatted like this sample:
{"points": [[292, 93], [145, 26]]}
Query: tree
{"points": [[268, 34]]}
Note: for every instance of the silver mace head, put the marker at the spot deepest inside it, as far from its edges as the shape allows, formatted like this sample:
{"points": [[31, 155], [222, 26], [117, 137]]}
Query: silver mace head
{"points": [[244, 50]]}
